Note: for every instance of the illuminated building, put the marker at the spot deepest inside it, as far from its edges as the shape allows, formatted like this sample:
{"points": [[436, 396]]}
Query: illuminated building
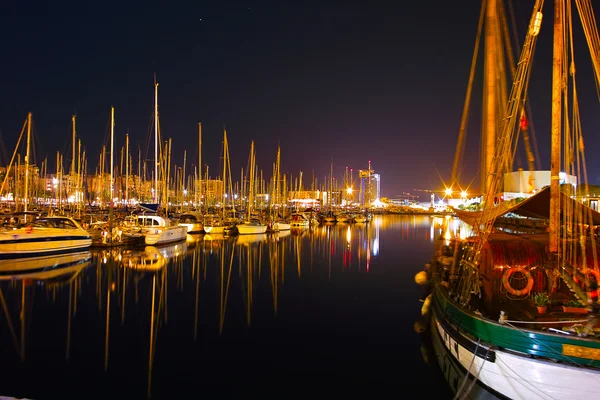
{"points": [[370, 186]]}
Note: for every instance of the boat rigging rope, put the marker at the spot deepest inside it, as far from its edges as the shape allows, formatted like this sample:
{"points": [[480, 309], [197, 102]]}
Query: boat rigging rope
{"points": [[484, 225], [475, 377], [467, 373]]}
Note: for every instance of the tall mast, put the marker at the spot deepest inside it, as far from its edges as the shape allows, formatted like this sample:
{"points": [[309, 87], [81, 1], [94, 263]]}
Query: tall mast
{"points": [[200, 156], [27, 160], [154, 195], [278, 201], [73, 156], [127, 168], [224, 168], [490, 107], [557, 82], [112, 133], [183, 175], [251, 188]]}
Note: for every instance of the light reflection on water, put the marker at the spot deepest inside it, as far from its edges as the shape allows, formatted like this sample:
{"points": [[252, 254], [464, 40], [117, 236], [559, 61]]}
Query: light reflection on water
{"points": [[137, 320]]}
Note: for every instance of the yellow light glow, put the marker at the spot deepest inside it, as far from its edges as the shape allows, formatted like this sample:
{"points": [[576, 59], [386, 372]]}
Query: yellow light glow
{"points": [[349, 190], [463, 193], [448, 191]]}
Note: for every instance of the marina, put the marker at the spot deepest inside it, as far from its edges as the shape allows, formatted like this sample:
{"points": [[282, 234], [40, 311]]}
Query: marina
{"points": [[296, 211], [303, 310]]}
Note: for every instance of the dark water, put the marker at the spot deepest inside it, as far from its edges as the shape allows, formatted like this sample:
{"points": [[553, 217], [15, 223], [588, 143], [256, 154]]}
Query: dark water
{"points": [[322, 312]]}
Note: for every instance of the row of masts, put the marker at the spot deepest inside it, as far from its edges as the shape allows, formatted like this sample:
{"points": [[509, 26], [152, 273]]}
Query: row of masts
{"points": [[69, 189]]}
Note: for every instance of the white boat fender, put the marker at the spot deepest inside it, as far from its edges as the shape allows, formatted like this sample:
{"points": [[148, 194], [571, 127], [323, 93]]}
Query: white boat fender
{"points": [[426, 305]]}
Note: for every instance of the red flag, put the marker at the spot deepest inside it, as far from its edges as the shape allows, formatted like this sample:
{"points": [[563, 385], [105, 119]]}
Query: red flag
{"points": [[523, 124]]}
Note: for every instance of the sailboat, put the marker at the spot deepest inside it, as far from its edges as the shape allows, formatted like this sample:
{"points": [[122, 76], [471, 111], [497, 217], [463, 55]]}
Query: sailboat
{"points": [[279, 223], [154, 205], [490, 339], [252, 224], [221, 224]]}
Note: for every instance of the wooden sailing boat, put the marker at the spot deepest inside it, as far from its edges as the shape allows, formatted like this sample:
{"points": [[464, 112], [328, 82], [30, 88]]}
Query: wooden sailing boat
{"points": [[488, 335]]}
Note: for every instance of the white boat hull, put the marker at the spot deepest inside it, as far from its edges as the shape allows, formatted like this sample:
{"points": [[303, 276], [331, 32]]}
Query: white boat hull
{"points": [[515, 376], [165, 235], [250, 229], [281, 226], [25, 242], [193, 228]]}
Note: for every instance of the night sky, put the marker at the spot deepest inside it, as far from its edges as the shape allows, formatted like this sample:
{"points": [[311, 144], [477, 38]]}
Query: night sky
{"points": [[330, 82]]}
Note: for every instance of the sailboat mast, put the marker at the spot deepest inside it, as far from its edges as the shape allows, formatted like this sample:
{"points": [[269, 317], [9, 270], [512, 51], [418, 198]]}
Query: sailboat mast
{"points": [[127, 168], [490, 122], [251, 188], [73, 156], [200, 155], [27, 161], [112, 134], [277, 177], [557, 82], [224, 169], [154, 195], [183, 177]]}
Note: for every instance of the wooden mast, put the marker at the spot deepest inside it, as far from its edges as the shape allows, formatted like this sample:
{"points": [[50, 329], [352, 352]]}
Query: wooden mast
{"points": [[490, 106], [557, 82]]}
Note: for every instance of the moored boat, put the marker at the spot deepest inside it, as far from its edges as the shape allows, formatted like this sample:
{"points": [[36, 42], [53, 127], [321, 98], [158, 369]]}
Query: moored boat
{"points": [[47, 235], [192, 221], [483, 317], [251, 227], [299, 219]]}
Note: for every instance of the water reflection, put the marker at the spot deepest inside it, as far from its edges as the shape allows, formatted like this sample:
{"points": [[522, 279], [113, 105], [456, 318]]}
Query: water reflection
{"points": [[21, 278], [190, 294], [449, 227]]}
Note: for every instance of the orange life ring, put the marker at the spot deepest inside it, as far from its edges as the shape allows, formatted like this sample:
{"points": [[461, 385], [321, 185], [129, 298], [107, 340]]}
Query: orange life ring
{"points": [[593, 294], [594, 272], [517, 292]]}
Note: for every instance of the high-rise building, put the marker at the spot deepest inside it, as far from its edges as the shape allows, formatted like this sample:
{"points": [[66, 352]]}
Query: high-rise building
{"points": [[376, 186], [370, 186]]}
